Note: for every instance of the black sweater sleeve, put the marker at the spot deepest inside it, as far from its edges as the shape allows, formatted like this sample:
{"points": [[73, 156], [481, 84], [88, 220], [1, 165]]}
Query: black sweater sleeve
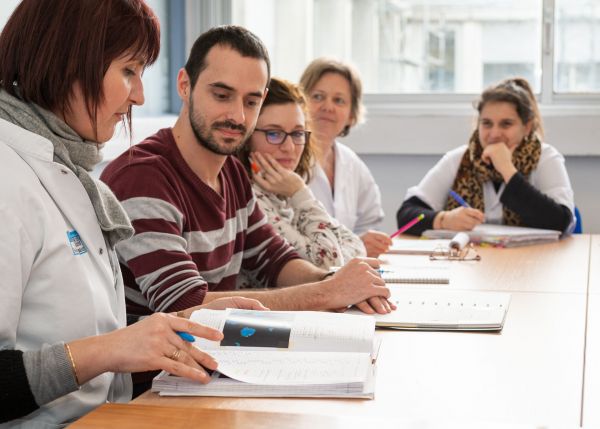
{"points": [[536, 209], [15, 394], [412, 208]]}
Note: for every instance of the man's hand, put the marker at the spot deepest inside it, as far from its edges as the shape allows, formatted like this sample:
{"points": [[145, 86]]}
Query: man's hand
{"points": [[226, 302], [376, 305], [357, 282], [376, 243]]}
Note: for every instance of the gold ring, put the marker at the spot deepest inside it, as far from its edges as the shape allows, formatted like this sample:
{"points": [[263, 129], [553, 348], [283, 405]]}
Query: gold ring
{"points": [[175, 355]]}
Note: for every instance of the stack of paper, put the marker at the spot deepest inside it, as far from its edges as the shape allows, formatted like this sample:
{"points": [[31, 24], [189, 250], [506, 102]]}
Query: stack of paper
{"points": [[447, 310], [283, 354], [500, 235]]}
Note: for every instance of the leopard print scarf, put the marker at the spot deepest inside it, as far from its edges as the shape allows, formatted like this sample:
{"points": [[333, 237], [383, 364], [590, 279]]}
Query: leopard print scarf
{"points": [[473, 173]]}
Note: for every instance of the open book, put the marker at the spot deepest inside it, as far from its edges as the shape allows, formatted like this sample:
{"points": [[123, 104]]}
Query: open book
{"points": [[444, 310], [500, 235], [283, 354]]}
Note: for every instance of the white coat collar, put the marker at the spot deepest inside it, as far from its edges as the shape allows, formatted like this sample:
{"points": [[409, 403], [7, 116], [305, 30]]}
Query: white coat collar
{"points": [[25, 142]]}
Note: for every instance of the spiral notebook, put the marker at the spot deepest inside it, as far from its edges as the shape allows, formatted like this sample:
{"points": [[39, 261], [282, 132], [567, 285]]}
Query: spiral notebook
{"points": [[447, 310], [418, 274]]}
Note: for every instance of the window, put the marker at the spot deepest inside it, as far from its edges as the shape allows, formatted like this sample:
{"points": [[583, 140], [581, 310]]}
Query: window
{"points": [[6, 10], [157, 79], [435, 46], [403, 47], [577, 46]]}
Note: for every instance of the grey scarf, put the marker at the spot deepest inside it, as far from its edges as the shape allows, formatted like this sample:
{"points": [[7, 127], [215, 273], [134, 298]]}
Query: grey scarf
{"points": [[79, 155]]}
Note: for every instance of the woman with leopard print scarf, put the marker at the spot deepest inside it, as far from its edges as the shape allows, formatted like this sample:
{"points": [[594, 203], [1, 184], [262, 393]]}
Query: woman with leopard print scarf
{"points": [[505, 173]]}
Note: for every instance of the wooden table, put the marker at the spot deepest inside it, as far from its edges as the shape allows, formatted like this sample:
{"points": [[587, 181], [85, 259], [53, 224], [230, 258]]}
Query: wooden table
{"points": [[124, 416], [529, 374], [554, 267], [159, 417], [591, 404]]}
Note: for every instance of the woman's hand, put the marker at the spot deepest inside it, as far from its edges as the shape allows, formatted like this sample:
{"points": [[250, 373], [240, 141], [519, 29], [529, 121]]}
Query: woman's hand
{"points": [[147, 345], [500, 156], [459, 219], [275, 178], [376, 243]]}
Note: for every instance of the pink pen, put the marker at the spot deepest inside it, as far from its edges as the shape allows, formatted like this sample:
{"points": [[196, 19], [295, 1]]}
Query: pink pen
{"points": [[408, 225]]}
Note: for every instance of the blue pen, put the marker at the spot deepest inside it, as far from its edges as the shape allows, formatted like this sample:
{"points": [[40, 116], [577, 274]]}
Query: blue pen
{"points": [[459, 199], [187, 337]]}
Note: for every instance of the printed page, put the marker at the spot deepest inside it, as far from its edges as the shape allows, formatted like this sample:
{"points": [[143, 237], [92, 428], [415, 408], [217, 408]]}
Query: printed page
{"points": [[275, 368], [287, 330]]}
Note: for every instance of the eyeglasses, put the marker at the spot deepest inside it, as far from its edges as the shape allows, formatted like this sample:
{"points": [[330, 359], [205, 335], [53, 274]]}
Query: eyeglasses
{"points": [[299, 137]]}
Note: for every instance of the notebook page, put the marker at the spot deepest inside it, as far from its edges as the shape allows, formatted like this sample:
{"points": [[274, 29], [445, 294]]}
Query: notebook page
{"points": [[286, 330], [422, 309], [427, 272]]}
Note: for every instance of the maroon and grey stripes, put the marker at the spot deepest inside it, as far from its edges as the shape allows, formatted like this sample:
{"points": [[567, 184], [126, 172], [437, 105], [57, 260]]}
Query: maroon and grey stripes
{"points": [[188, 239]]}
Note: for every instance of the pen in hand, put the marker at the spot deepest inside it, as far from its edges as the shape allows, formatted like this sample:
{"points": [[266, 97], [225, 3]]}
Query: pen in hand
{"points": [[408, 225], [458, 199], [185, 336]]}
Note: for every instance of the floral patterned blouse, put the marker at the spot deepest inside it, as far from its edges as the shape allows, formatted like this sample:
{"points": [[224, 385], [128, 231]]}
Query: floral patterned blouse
{"points": [[306, 225]]}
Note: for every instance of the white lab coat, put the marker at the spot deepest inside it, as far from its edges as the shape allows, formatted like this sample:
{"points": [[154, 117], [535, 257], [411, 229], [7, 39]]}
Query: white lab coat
{"points": [[550, 177], [356, 202], [53, 288]]}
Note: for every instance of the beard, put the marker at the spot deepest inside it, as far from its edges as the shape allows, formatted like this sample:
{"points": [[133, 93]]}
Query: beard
{"points": [[206, 138]]}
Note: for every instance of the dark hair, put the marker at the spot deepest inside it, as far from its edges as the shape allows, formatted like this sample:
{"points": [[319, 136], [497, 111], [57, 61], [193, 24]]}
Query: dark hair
{"points": [[320, 66], [285, 92], [241, 40], [518, 92], [47, 46]]}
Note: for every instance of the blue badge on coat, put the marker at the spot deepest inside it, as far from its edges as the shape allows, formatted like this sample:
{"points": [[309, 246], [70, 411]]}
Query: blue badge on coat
{"points": [[77, 244]]}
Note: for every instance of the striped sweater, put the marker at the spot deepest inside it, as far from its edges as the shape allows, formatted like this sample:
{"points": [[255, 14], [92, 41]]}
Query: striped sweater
{"points": [[188, 239]]}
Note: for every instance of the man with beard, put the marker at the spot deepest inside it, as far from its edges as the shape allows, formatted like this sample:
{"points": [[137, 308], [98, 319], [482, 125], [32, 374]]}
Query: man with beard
{"points": [[191, 203]]}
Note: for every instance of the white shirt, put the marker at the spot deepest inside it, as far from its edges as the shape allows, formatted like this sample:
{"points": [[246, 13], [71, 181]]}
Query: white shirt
{"points": [[57, 280], [550, 177], [356, 202]]}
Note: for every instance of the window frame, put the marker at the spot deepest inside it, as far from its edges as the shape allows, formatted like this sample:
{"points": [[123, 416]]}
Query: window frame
{"points": [[215, 12]]}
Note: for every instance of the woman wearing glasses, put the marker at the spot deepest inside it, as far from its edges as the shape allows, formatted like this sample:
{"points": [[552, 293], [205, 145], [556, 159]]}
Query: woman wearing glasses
{"points": [[278, 156], [341, 180]]}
